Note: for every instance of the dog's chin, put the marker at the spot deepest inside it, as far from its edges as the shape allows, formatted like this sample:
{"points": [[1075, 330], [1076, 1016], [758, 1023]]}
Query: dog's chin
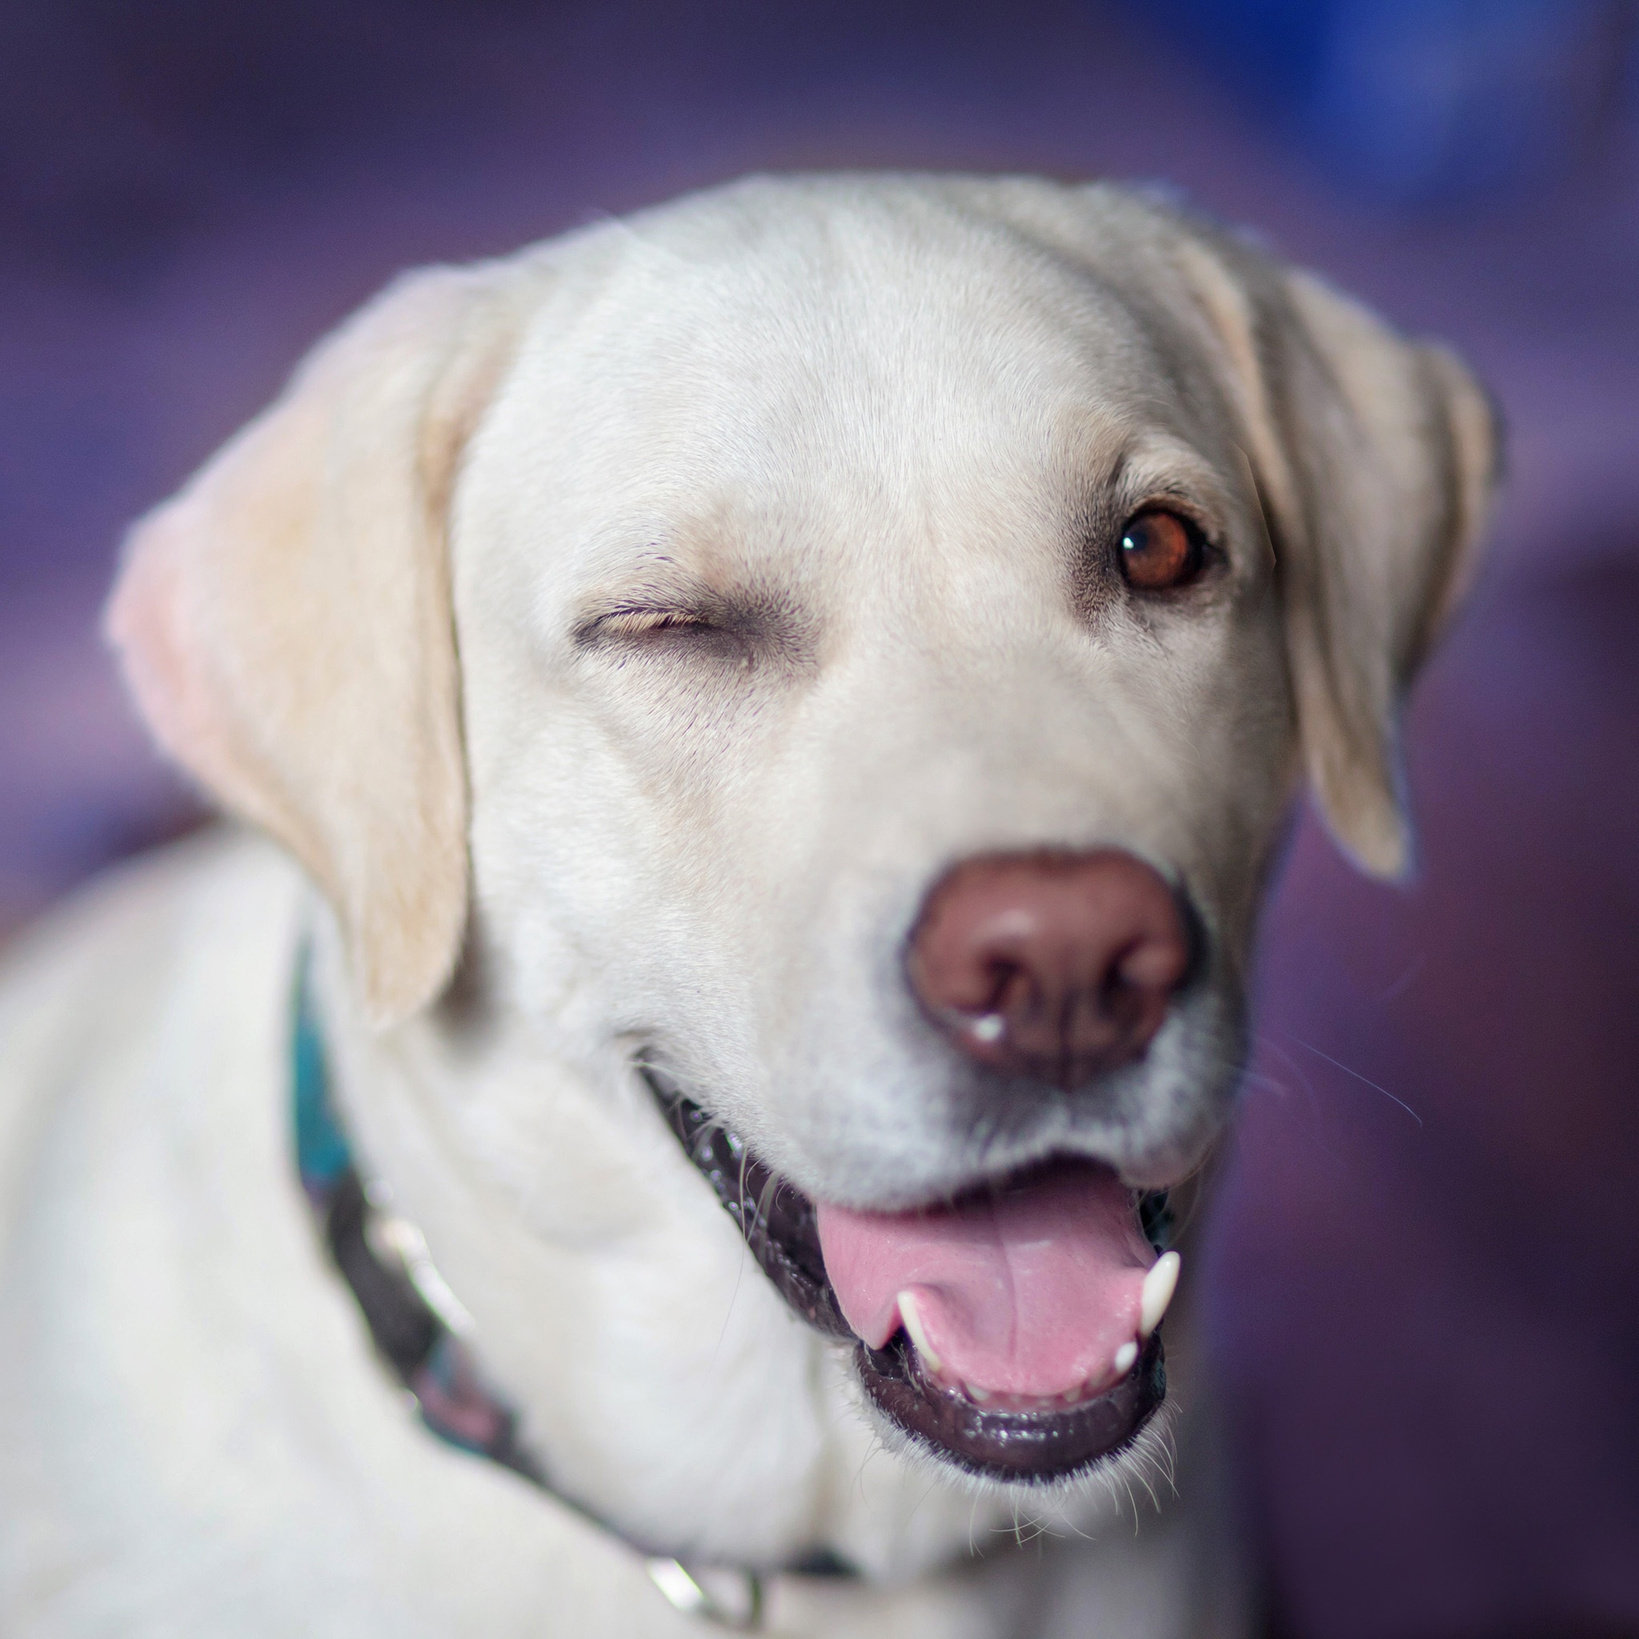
{"points": [[1042, 1444], [1141, 1465], [1036, 1445]]}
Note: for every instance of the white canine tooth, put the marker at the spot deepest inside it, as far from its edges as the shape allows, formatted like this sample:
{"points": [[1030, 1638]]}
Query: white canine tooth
{"points": [[1159, 1285], [919, 1338], [976, 1394], [1124, 1358], [990, 1028]]}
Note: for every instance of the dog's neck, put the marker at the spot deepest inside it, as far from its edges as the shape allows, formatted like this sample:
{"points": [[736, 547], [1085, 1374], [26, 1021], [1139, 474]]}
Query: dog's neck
{"points": [[422, 1330]]}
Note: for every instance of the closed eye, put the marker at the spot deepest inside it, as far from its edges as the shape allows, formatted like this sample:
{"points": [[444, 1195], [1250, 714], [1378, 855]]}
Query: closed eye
{"points": [[698, 624], [679, 632], [649, 623]]}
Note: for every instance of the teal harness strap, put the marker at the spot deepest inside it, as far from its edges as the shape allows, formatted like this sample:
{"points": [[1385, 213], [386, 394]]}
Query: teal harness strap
{"points": [[322, 1155]]}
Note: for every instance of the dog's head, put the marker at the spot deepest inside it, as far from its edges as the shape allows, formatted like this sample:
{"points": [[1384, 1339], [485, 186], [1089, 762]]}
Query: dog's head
{"points": [[845, 646]]}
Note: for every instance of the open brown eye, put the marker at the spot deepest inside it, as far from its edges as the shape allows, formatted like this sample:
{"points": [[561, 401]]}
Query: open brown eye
{"points": [[1160, 551]]}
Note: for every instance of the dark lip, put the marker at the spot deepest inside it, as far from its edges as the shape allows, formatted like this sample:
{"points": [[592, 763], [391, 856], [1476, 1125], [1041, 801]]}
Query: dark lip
{"points": [[1033, 1447], [780, 1228]]}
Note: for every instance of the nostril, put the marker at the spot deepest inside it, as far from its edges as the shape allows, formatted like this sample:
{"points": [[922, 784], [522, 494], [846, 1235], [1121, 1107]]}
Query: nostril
{"points": [[1011, 989], [1056, 966]]}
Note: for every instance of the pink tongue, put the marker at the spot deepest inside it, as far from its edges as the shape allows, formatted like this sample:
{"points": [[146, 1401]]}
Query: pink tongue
{"points": [[1028, 1292]]}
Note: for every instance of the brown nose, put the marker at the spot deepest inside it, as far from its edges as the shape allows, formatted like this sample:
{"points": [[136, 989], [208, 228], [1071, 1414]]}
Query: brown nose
{"points": [[1055, 966]]}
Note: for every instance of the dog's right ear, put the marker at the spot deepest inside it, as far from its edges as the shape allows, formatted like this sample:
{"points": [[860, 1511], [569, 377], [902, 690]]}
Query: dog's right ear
{"points": [[285, 622]]}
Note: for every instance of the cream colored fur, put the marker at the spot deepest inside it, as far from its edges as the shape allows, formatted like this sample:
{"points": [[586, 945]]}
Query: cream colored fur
{"points": [[876, 434]]}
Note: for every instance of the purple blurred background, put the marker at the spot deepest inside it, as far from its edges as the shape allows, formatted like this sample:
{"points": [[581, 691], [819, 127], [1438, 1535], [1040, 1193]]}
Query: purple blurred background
{"points": [[1425, 1275]]}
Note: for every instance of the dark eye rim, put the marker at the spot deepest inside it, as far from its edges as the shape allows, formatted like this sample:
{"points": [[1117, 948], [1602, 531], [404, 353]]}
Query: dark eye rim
{"points": [[1204, 555]]}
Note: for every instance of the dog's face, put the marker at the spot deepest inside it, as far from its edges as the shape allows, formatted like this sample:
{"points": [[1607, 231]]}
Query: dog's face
{"points": [[743, 632], [819, 591]]}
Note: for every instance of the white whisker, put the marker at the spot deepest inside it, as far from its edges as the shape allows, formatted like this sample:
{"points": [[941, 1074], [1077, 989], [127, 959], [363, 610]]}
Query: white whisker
{"points": [[1339, 1064]]}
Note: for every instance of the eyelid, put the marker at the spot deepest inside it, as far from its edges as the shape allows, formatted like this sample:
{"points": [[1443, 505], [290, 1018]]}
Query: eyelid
{"points": [[636, 622], [626, 621]]}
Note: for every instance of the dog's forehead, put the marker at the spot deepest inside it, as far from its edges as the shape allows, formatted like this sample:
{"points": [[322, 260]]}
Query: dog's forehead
{"points": [[778, 365]]}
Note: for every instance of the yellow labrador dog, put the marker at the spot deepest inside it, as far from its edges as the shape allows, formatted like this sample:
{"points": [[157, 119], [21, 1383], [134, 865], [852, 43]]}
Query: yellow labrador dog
{"points": [[766, 724]]}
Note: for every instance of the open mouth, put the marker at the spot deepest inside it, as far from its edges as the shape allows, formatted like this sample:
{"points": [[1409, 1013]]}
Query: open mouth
{"points": [[1014, 1331]]}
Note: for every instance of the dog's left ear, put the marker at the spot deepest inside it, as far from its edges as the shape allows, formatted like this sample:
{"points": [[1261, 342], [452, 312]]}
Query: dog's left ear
{"points": [[1375, 458], [285, 622]]}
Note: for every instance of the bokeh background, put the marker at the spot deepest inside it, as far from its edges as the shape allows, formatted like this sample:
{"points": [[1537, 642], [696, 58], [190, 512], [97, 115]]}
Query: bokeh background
{"points": [[1424, 1280]]}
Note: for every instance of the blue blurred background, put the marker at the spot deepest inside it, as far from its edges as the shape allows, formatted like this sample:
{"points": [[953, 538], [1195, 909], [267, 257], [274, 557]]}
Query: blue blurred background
{"points": [[1424, 1279]]}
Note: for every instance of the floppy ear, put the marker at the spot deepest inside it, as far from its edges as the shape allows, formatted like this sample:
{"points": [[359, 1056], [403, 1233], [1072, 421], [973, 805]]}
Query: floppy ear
{"points": [[1375, 458], [1395, 454], [285, 622]]}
